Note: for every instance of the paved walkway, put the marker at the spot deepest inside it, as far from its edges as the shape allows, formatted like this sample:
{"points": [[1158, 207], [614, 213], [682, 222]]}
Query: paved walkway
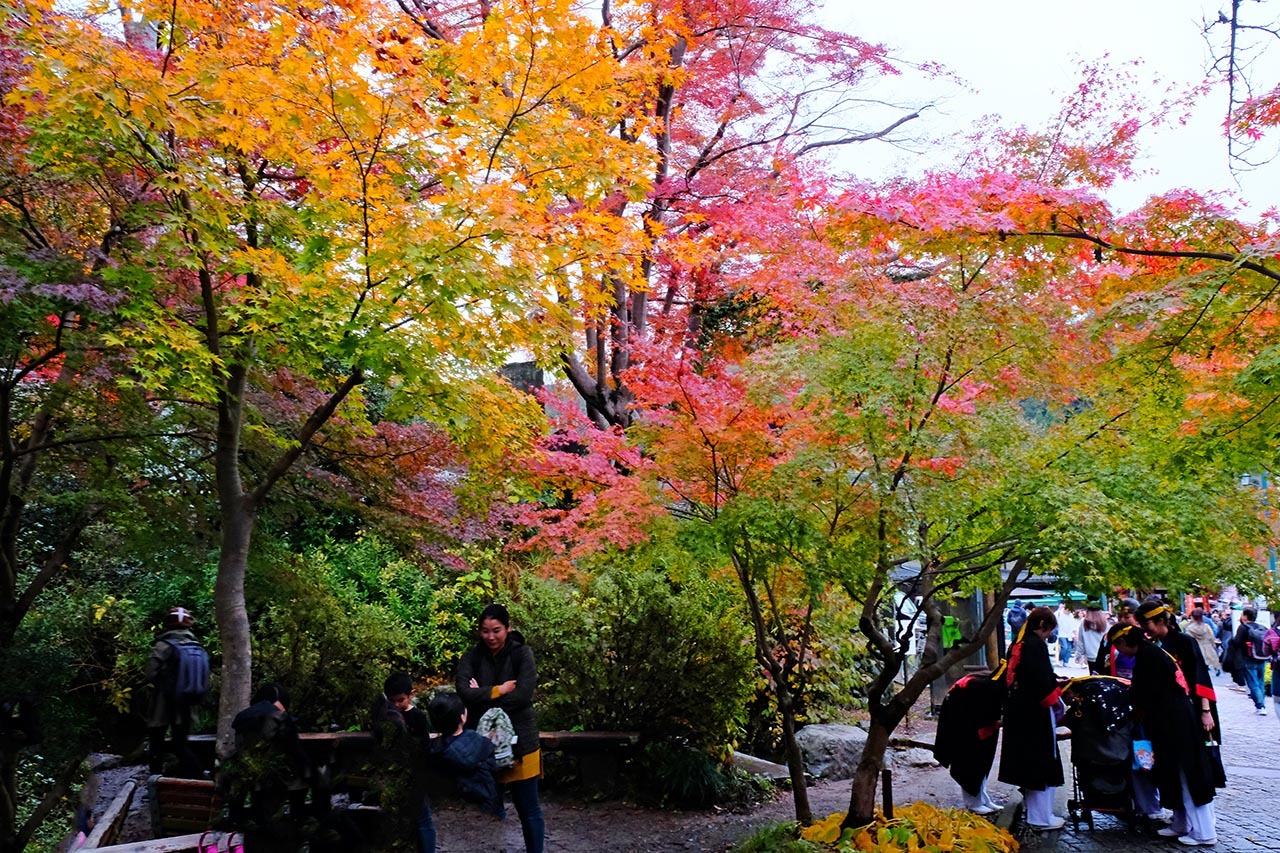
{"points": [[1248, 809]]}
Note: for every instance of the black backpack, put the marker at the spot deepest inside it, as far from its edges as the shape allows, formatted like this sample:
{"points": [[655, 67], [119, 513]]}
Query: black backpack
{"points": [[188, 672], [1257, 642]]}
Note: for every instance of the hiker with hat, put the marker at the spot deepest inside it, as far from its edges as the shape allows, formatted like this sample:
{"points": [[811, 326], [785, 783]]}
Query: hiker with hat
{"points": [[174, 659]]}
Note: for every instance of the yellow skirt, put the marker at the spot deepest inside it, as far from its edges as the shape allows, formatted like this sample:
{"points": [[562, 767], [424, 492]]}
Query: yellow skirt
{"points": [[526, 767]]}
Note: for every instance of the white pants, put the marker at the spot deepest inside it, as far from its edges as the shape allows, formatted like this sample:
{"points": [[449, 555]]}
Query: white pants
{"points": [[1199, 822], [980, 800], [1039, 806]]}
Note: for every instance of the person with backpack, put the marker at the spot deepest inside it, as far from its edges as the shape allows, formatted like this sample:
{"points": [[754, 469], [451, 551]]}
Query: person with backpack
{"points": [[499, 673], [1250, 640], [178, 672]]}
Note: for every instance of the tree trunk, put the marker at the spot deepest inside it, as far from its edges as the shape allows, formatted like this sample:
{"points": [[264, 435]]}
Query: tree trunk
{"points": [[795, 761], [8, 796], [237, 513], [862, 798]]}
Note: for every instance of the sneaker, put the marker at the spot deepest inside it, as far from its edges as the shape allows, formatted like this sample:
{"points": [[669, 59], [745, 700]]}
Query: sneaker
{"points": [[1262, 712], [1170, 832], [1056, 823], [985, 810], [1197, 842]]}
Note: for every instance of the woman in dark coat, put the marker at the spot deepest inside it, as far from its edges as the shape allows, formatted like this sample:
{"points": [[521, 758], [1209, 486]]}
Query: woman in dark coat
{"points": [[499, 672], [1184, 769], [1156, 619], [1029, 755], [968, 727]]}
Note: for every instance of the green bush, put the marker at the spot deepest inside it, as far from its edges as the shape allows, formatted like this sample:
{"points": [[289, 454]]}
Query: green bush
{"points": [[777, 838], [673, 775], [635, 651], [326, 645]]}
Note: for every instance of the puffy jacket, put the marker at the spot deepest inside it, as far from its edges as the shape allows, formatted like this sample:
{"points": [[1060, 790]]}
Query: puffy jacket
{"points": [[467, 759], [514, 662]]}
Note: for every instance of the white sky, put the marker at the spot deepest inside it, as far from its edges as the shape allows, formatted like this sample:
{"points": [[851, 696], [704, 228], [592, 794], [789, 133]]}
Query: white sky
{"points": [[1021, 58]]}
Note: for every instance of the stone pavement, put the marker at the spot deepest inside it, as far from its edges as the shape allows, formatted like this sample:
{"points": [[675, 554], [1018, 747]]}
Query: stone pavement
{"points": [[1248, 809]]}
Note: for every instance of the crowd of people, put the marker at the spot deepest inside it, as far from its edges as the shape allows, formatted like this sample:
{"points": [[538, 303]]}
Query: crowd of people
{"points": [[1149, 688], [478, 743]]}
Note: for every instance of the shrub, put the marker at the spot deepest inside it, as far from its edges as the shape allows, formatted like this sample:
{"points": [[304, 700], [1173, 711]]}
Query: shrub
{"points": [[635, 651], [777, 838], [673, 775]]}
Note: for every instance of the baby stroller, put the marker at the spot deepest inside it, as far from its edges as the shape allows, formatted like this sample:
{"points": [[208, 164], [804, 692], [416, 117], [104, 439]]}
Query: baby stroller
{"points": [[1101, 722]]}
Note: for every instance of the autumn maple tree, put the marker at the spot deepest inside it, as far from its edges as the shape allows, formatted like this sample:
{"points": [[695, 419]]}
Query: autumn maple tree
{"points": [[346, 192], [753, 95]]}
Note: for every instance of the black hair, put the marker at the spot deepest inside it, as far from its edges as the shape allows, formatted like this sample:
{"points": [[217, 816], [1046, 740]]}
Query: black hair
{"points": [[1041, 617], [498, 612], [1250, 613], [272, 692], [445, 712], [397, 684]]}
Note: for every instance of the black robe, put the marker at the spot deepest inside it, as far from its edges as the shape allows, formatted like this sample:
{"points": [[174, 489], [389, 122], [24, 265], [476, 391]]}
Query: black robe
{"points": [[1186, 651], [968, 726], [1164, 708], [1029, 756]]}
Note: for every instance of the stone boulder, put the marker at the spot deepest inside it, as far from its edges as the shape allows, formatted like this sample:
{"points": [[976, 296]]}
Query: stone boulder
{"points": [[913, 757], [831, 751]]}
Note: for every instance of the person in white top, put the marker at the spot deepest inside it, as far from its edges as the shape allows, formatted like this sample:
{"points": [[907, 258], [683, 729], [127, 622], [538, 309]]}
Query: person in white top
{"points": [[1067, 627]]}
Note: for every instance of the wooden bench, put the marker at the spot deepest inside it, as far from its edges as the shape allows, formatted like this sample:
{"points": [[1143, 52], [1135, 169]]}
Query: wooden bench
{"points": [[180, 806], [598, 755]]}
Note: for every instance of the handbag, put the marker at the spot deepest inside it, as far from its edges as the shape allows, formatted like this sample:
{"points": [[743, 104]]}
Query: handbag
{"points": [[1144, 757], [1213, 754]]}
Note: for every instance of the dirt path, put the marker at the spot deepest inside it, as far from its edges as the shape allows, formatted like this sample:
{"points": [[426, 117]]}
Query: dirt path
{"points": [[577, 827]]}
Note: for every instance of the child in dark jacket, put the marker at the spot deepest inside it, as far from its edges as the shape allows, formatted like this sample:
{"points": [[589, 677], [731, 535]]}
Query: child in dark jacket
{"points": [[462, 755]]}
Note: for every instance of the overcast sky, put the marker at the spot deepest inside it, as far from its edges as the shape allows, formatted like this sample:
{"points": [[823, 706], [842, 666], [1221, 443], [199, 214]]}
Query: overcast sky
{"points": [[1020, 58]]}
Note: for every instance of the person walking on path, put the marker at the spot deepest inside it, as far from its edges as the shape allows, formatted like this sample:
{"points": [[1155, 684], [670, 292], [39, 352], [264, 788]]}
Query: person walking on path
{"points": [[1202, 631], [167, 711], [1029, 756], [499, 672], [1250, 641], [1184, 767], [1068, 624]]}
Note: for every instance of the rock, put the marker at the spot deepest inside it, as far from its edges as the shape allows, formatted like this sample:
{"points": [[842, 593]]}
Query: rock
{"points": [[831, 751], [760, 767], [914, 757]]}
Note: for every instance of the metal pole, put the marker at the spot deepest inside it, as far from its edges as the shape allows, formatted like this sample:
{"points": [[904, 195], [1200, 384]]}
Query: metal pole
{"points": [[886, 793]]}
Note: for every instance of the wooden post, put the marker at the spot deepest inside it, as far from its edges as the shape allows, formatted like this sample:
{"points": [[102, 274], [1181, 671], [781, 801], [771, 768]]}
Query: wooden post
{"points": [[886, 793]]}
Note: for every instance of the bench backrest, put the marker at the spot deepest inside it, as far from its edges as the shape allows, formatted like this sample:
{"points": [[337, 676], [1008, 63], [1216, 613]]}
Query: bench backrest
{"points": [[181, 806]]}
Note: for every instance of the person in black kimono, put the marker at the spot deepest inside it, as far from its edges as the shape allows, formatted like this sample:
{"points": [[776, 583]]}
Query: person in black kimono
{"points": [[968, 728], [1184, 769], [1029, 756], [1157, 621]]}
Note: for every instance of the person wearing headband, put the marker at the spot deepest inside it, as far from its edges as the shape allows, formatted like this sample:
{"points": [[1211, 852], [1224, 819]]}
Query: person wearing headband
{"points": [[1029, 756], [1105, 663], [1156, 619], [1184, 769]]}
